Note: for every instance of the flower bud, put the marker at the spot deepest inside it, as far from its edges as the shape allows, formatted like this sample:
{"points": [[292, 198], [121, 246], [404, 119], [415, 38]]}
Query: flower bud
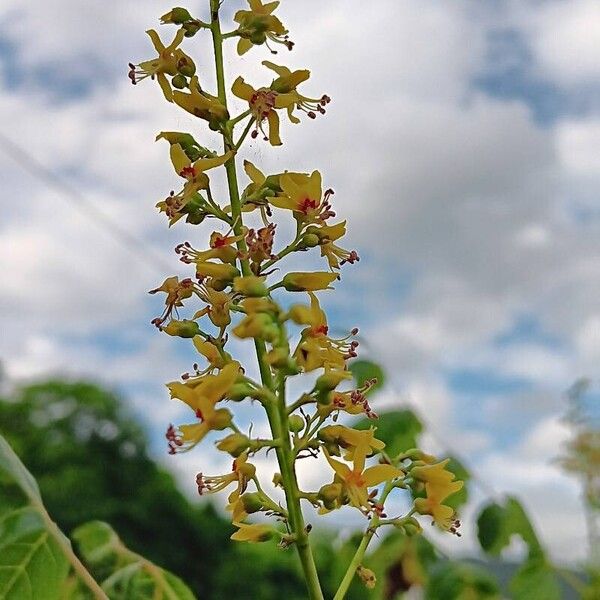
{"points": [[278, 480], [177, 16], [329, 494], [259, 326], [308, 282], [252, 502], [366, 576], [250, 285], [183, 329], [309, 240], [223, 273], [179, 82], [296, 423], [186, 66], [331, 379], [234, 444], [221, 419], [409, 526], [240, 391], [191, 28]]}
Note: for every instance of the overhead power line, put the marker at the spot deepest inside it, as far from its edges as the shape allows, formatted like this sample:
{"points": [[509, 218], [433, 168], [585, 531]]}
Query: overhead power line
{"points": [[136, 246]]}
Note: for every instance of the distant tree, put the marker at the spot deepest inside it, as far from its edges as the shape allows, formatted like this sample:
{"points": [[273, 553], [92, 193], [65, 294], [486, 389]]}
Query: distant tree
{"points": [[90, 459]]}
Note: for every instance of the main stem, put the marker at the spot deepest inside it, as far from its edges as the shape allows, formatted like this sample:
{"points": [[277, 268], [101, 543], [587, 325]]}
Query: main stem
{"points": [[362, 548], [277, 414]]}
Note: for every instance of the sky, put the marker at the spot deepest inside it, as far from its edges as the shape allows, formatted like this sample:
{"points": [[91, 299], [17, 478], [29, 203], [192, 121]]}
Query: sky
{"points": [[463, 144]]}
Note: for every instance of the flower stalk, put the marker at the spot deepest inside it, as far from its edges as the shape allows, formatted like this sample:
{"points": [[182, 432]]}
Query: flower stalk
{"points": [[238, 291]]}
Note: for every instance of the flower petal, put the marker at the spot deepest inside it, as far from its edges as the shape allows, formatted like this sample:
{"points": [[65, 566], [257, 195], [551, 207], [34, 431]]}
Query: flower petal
{"points": [[380, 473], [243, 46], [273, 119], [242, 90]]}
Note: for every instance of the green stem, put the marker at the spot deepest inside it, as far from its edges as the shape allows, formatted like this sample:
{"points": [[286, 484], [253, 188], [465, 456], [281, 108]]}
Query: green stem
{"points": [[362, 548], [276, 412]]}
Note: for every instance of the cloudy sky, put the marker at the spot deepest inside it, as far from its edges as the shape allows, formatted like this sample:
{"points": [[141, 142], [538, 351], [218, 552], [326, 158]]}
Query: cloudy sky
{"points": [[463, 144]]}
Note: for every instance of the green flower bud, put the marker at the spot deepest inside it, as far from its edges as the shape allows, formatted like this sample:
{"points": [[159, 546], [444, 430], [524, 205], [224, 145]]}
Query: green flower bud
{"points": [[250, 285], [310, 240], [278, 480], [258, 38], [183, 329], [179, 82], [191, 28], [240, 391], [177, 16], [252, 502], [186, 66], [330, 380], [234, 444], [330, 495], [222, 419], [296, 423]]}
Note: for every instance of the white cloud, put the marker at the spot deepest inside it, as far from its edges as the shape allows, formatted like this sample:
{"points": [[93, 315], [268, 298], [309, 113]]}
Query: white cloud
{"points": [[565, 37]]}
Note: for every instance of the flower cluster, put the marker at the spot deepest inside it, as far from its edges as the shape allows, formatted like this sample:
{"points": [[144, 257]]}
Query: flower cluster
{"points": [[235, 291]]}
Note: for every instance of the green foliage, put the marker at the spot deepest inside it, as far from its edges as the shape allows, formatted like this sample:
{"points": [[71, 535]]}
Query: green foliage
{"points": [[364, 370], [90, 459], [124, 574], [496, 524], [33, 563], [461, 581], [399, 430], [535, 579]]}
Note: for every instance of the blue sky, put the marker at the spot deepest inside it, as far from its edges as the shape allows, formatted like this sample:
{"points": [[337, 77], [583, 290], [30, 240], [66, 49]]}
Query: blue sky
{"points": [[463, 146]]}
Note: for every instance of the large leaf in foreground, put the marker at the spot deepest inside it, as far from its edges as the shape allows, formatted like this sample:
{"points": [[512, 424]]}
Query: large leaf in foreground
{"points": [[33, 552], [124, 574]]}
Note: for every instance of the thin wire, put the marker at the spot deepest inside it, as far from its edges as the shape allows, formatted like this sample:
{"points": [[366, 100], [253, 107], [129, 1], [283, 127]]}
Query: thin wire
{"points": [[137, 246]]}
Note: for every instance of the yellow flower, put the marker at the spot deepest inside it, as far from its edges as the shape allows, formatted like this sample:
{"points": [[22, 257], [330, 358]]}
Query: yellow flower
{"points": [[170, 61], [286, 83], [258, 25], [350, 439], [357, 480], [308, 282], [218, 301], [195, 176], [210, 351], [265, 101], [241, 473], [316, 349], [201, 395], [327, 235], [252, 532], [439, 485], [176, 291], [201, 104], [302, 194]]}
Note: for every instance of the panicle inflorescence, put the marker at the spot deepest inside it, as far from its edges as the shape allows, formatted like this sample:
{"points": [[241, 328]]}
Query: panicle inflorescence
{"points": [[235, 293]]}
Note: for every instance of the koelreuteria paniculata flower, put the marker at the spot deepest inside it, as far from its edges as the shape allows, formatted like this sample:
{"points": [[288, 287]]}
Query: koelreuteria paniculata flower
{"points": [[234, 290]]}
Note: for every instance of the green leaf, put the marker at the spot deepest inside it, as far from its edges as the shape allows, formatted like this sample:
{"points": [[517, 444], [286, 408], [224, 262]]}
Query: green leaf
{"points": [[124, 574], [491, 531], [497, 524], [461, 581], [534, 580], [363, 370], [399, 430], [33, 564]]}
